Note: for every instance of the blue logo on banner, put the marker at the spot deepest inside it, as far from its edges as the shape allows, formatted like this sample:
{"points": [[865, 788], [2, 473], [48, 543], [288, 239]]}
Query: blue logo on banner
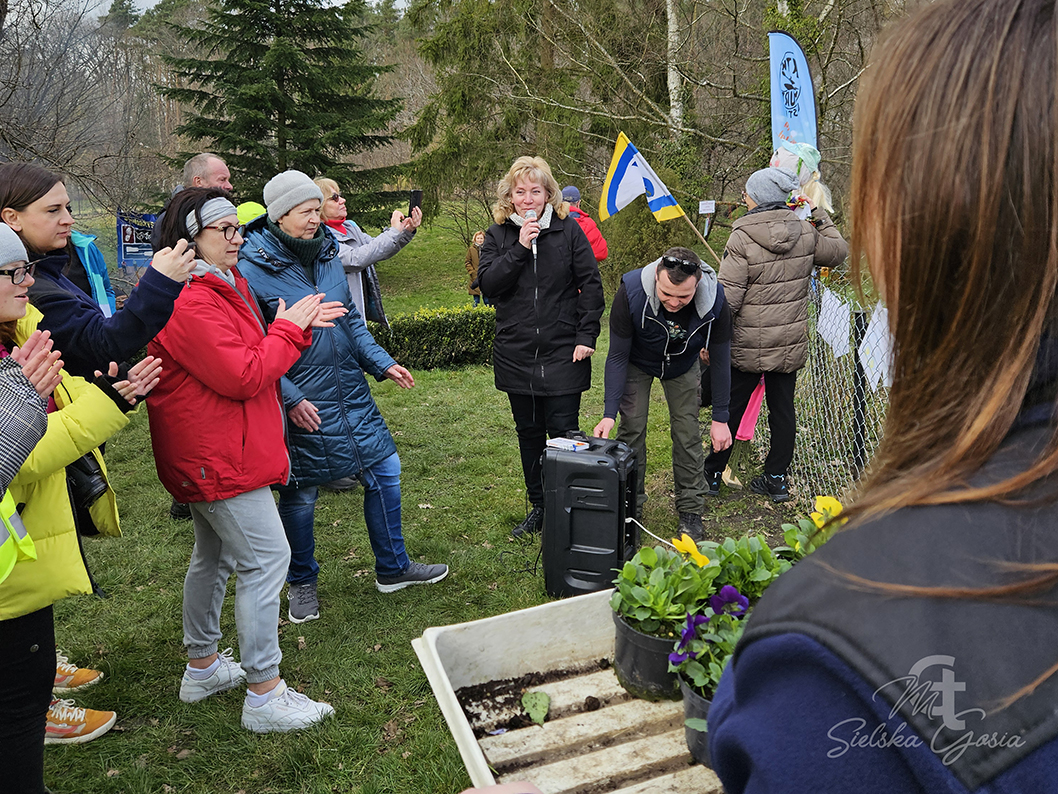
{"points": [[791, 84]]}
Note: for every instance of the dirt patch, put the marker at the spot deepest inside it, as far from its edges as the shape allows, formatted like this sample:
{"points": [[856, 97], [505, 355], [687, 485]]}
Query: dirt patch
{"points": [[734, 513]]}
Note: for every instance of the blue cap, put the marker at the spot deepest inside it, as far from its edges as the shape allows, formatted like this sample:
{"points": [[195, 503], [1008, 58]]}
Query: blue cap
{"points": [[570, 194]]}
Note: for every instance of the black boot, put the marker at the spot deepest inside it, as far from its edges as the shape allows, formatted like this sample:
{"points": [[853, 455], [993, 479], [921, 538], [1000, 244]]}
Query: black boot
{"points": [[533, 523]]}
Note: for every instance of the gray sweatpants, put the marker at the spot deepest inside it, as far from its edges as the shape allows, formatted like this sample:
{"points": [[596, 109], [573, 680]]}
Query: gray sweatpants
{"points": [[241, 534]]}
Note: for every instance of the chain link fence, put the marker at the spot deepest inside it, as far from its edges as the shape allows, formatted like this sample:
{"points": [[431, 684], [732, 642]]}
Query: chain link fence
{"points": [[841, 397]]}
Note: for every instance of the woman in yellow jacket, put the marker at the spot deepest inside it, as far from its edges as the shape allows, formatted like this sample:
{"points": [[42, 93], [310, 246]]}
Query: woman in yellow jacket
{"points": [[81, 416]]}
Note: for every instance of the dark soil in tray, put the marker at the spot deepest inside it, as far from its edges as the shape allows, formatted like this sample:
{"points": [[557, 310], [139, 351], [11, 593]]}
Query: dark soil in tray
{"points": [[488, 707]]}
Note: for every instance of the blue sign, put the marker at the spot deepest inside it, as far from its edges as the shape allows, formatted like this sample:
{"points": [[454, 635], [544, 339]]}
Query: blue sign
{"points": [[793, 99], [134, 241]]}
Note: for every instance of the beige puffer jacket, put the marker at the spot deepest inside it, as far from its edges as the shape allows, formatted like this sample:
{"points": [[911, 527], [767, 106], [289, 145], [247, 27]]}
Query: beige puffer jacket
{"points": [[765, 272]]}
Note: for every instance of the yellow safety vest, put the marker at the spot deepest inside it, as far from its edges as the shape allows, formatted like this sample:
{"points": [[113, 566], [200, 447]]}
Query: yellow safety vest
{"points": [[16, 545]]}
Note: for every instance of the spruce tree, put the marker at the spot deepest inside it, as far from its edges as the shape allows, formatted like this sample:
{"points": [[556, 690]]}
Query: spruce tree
{"points": [[285, 85]]}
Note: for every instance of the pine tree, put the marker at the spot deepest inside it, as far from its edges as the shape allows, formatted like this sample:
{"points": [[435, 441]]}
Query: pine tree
{"points": [[285, 85]]}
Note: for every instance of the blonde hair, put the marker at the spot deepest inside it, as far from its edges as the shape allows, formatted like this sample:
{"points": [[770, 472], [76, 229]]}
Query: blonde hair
{"points": [[327, 186], [530, 169]]}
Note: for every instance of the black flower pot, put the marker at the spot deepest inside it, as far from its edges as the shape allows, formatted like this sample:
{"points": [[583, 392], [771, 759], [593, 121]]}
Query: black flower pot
{"points": [[642, 663], [696, 707]]}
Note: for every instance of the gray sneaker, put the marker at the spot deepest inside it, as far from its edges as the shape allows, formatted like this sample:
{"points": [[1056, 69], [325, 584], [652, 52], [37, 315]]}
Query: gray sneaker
{"points": [[417, 573], [302, 603], [691, 524]]}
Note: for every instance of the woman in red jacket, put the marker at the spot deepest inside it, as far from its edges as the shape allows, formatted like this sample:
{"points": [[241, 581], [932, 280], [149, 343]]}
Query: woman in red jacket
{"points": [[218, 431]]}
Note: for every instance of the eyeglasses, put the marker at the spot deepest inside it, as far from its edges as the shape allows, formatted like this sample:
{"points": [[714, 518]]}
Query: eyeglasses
{"points": [[227, 231], [672, 263], [336, 196], [744, 196], [18, 274]]}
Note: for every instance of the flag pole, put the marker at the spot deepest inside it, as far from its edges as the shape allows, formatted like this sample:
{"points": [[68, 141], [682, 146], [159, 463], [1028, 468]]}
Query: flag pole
{"points": [[702, 238]]}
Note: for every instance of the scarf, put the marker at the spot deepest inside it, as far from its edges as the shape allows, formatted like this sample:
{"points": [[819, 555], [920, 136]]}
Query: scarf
{"points": [[544, 220], [202, 267], [305, 250]]}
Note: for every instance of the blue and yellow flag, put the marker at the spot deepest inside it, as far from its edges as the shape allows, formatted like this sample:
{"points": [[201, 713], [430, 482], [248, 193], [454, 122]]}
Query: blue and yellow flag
{"points": [[629, 176]]}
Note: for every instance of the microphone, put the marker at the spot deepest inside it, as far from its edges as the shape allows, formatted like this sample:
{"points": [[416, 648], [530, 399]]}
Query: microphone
{"points": [[530, 215]]}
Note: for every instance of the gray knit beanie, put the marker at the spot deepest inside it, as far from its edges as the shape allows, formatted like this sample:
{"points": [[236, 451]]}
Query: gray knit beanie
{"points": [[286, 190], [771, 185], [11, 248]]}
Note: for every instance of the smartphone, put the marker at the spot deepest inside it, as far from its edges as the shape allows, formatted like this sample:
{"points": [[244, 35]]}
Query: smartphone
{"points": [[414, 200]]}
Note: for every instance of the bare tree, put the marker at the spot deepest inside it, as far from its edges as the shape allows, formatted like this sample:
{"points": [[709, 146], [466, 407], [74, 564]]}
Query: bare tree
{"points": [[69, 99]]}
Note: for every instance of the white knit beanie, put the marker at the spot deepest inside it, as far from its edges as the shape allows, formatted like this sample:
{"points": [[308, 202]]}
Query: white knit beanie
{"points": [[286, 190], [11, 247]]}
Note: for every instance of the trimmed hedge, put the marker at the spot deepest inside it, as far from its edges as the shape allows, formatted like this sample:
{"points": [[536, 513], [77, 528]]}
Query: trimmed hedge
{"points": [[439, 338]]}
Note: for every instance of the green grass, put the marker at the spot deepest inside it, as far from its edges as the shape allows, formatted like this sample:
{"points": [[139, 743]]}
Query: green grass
{"points": [[463, 493]]}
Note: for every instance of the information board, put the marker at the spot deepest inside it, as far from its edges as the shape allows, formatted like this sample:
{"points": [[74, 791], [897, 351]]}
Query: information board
{"points": [[134, 242]]}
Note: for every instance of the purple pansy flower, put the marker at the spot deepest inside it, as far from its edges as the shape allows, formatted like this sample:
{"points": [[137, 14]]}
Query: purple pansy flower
{"points": [[729, 601], [686, 635]]}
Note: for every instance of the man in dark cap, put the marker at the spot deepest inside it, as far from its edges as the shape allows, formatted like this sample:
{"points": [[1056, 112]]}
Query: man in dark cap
{"points": [[571, 195]]}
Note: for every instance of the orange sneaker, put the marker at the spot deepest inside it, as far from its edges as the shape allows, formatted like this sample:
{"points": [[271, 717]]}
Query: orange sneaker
{"points": [[68, 724], [71, 678]]}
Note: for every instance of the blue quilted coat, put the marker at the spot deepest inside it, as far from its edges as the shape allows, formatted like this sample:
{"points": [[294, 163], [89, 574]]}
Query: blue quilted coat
{"points": [[330, 373]]}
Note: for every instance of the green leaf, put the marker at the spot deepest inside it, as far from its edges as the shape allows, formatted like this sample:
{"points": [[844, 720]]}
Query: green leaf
{"points": [[697, 724], [536, 705]]}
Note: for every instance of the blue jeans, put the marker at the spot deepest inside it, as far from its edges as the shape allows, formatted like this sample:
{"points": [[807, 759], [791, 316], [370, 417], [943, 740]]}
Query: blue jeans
{"points": [[381, 514]]}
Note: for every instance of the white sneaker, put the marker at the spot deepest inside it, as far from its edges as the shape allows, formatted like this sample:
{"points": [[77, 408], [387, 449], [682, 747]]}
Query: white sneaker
{"points": [[286, 710], [229, 674]]}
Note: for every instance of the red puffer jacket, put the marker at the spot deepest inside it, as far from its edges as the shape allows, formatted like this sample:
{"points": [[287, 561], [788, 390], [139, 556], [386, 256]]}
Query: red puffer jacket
{"points": [[591, 231], [217, 417]]}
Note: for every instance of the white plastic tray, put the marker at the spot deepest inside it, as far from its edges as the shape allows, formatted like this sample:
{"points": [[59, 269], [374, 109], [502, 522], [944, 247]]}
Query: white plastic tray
{"points": [[627, 740]]}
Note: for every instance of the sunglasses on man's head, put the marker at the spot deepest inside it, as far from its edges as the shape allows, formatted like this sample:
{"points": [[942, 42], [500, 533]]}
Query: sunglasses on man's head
{"points": [[18, 274], [684, 266]]}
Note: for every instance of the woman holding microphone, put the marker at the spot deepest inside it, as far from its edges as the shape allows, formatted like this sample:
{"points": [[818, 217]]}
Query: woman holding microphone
{"points": [[539, 271]]}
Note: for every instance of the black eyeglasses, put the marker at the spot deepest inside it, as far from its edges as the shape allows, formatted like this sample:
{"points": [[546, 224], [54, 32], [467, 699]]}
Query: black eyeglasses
{"points": [[227, 231], [684, 266], [18, 274], [336, 196]]}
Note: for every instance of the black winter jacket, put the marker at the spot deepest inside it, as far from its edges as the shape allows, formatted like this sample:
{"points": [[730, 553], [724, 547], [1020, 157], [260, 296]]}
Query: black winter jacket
{"points": [[543, 309]]}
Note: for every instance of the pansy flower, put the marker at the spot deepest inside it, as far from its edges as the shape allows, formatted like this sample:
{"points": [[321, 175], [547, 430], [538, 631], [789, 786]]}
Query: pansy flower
{"points": [[826, 508], [690, 629], [729, 600], [687, 546]]}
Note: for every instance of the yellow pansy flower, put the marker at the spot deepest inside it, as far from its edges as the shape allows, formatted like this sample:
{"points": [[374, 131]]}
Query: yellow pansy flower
{"points": [[687, 546], [828, 504]]}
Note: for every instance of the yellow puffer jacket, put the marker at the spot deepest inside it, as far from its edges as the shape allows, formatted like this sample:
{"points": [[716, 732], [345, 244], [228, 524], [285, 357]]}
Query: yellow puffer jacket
{"points": [[86, 418]]}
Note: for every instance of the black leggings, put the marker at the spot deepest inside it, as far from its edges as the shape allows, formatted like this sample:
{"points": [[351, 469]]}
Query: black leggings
{"points": [[536, 418], [779, 394], [27, 675]]}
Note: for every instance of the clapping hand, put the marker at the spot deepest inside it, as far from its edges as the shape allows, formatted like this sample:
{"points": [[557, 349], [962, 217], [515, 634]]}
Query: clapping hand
{"points": [[143, 377], [40, 364]]}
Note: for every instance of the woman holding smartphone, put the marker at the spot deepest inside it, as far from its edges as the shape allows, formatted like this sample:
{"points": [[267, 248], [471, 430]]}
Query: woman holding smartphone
{"points": [[359, 252]]}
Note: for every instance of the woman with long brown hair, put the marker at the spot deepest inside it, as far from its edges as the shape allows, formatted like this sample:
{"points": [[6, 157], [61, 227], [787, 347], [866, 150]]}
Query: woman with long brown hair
{"points": [[915, 651]]}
